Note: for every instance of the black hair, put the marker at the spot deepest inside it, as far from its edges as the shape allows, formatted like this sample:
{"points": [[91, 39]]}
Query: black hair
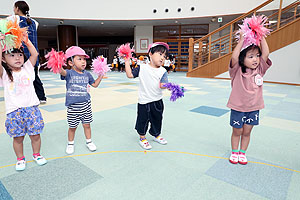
{"points": [[5, 66], [70, 59], [243, 55], [160, 49], [24, 8]]}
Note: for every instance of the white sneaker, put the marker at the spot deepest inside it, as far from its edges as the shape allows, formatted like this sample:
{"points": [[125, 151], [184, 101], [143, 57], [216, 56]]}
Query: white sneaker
{"points": [[91, 146], [234, 158], [70, 149], [40, 160], [20, 165], [160, 140], [243, 159], [145, 144], [43, 101]]}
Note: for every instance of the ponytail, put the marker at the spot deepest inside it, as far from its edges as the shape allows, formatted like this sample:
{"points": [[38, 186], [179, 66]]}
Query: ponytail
{"points": [[24, 8], [28, 20]]}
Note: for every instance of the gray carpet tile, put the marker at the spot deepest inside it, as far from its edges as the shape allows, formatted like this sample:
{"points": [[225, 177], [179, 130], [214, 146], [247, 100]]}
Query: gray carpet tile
{"points": [[56, 180]]}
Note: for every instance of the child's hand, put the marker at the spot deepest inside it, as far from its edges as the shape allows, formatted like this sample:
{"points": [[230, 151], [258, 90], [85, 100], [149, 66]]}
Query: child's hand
{"points": [[241, 35], [25, 38], [127, 60]]}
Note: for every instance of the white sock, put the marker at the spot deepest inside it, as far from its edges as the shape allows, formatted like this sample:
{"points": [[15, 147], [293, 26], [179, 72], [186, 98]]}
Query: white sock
{"points": [[71, 142], [88, 140]]}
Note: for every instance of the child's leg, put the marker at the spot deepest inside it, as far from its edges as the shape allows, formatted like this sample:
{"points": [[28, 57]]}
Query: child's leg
{"points": [[35, 143], [245, 139], [71, 134], [235, 140], [87, 131], [156, 117], [36, 147], [88, 135], [235, 137], [18, 146]]}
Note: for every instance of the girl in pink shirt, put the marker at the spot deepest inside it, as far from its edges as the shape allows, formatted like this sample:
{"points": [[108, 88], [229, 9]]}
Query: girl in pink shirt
{"points": [[247, 67]]}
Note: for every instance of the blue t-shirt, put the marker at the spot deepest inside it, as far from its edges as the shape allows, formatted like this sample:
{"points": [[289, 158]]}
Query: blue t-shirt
{"points": [[78, 86]]}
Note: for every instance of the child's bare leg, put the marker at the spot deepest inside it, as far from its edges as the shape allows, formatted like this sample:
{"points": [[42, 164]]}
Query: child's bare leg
{"points": [[71, 134], [18, 146], [35, 143], [245, 139], [87, 131], [235, 137]]}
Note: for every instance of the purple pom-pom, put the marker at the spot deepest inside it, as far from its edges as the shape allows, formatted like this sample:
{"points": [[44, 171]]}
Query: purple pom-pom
{"points": [[176, 91]]}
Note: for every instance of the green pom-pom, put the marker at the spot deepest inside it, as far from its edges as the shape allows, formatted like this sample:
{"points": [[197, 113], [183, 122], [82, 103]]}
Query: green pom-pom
{"points": [[8, 43]]}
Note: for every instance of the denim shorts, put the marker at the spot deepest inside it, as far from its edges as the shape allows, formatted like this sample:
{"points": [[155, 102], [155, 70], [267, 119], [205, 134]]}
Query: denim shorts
{"points": [[27, 120], [238, 119]]}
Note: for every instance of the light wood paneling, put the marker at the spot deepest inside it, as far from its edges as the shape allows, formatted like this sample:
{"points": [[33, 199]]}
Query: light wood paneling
{"points": [[282, 37]]}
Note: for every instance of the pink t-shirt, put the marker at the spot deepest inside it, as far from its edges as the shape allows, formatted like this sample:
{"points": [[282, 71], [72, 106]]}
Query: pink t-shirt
{"points": [[19, 93], [247, 89]]}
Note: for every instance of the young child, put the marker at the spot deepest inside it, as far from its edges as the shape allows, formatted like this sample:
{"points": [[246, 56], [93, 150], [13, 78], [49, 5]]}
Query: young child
{"points": [[21, 11], [78, 102], [247, 67], [167, 64], [150, 103], [173, 60], [115, 64], [22, 113]]}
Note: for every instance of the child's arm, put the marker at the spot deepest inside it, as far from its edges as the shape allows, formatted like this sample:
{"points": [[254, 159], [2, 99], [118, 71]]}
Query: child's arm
{"points": [[2, 37], [237, 50], [63, 72], [97, 81], [264, 49], [128, 69], [163, 80], [33, 52]]}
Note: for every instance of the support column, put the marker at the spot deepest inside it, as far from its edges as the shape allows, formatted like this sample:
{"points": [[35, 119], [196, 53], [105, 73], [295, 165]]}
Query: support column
{"points": [[66, 36]]}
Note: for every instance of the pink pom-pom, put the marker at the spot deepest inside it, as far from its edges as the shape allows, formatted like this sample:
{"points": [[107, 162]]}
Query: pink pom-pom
{"points": [[99, 66], [125, 51], [253, 30], [55, 61]]}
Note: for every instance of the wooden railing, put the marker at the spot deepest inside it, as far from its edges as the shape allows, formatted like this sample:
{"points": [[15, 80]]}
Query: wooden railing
{"points": [[220, 42], [180, 49]]}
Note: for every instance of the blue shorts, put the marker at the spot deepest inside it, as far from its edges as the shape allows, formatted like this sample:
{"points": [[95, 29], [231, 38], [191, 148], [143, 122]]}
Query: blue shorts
{"points": [[24, 120], [238, 119]]}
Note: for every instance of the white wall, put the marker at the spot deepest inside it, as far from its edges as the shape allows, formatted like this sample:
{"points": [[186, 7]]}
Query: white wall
{"points": [[134, 9], [142, 33], [286, 65]]}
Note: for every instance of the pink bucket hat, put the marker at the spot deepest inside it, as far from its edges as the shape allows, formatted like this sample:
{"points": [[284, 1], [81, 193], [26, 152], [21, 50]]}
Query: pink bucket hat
{"points": [[75, 51], [158, 43]]}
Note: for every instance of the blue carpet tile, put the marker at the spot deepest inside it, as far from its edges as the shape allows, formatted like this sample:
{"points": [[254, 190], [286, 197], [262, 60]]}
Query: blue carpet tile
{"points": [[4, 195], [210, 111]]}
